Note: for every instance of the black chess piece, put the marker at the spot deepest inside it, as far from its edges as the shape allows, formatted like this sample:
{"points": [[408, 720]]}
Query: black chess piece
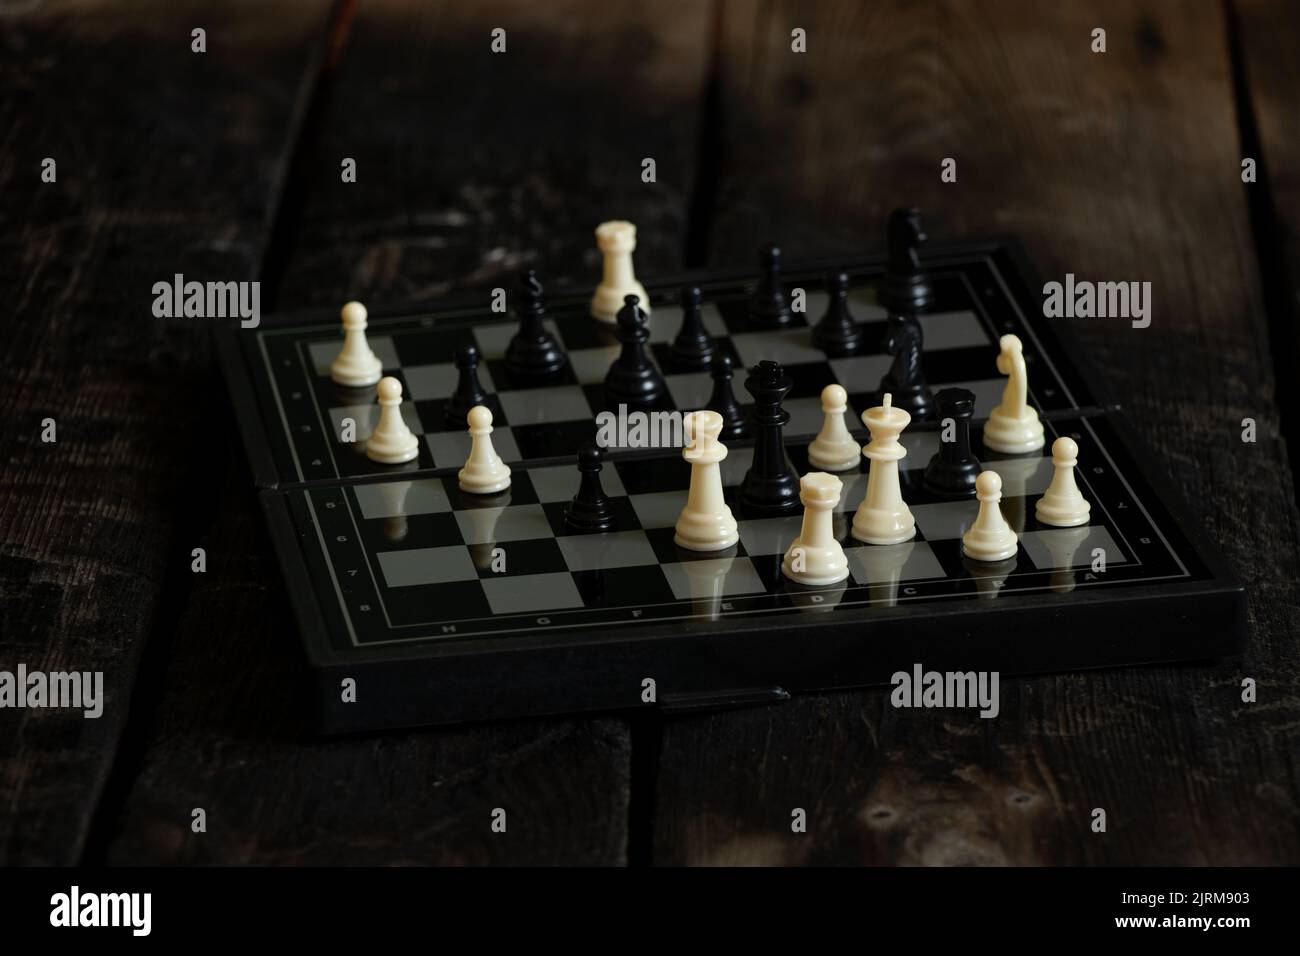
{"points": [[905, 287], [590, 511], [771, 486], [533, 352], [692, 348], [632, 378], [952, 471], [723, 399], [767, 306], [469, 390], [837, 333], [905, 378]]}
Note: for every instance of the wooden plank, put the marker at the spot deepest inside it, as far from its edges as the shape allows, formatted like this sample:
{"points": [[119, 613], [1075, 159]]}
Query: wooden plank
{"points": [[153, 178], [1123, 165]]}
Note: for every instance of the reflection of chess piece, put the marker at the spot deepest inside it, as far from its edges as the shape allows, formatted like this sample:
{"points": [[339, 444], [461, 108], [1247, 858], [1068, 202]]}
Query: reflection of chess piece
{"points": [[990, 576], [883, 568], [708, 579], [483, 513], [393, 494], [883, 517], [816, 599], [616, 241], [1063, 544], [1013, 426], [1015, 474]]}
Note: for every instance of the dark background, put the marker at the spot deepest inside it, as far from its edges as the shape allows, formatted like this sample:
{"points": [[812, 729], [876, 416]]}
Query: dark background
{"points": [[225, 165]]}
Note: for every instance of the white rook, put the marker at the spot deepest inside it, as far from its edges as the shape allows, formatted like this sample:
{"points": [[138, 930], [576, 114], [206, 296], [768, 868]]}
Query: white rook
{"points": [[616, 241], [815, 557], [706, 523]]}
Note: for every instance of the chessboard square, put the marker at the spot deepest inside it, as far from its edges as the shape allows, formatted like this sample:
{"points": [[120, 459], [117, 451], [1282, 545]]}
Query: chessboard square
{"points": [[618, 549], [945, 519], [429, 382], [511, 523], [451, 449], [1023, 475], [560, 482], [1049, 549], [706, 577], [531, 592], [690, 391], [366, 417], [921, 446], [770, 535], [592, 365], [988, 393], [882, 563], [322, 354], [494, 338], [426, 566], [659, 509], [541, 406], [787, 346], [389, 498], [952, 330], [860, 373]]}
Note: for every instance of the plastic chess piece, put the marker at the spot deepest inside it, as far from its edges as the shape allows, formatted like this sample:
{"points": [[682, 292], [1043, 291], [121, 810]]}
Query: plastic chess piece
{"points": [[706, 523], [469, 390], [816, 558], [590, 510], [883, 517], [692, 348], [533, 352], [767, 306], [905, 379], [356, 365], [392, 442], [990, 538], [771, 485], [837, 333], [905, 287], [632, 378], [952, 471], [834, 449], [1062, 505], [723, 398], [484, 472], [616, 240], [1013, 426]]}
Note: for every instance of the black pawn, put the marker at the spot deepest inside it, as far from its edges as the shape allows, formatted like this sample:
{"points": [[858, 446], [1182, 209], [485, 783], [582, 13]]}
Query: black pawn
{"points": [[953, 469], [771, 486], [590, 510], [837, 333], [533, 352], [469, 390], [632, 378], [905, 379], [723, 399], [905, 287], [767, 306], [692, 348]]}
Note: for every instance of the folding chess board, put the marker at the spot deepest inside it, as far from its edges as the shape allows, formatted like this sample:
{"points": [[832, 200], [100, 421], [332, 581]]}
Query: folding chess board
{"points": [[445, 606]]}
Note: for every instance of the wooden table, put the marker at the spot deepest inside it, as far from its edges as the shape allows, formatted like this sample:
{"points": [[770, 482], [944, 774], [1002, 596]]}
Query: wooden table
{"points": [[226, 165]]}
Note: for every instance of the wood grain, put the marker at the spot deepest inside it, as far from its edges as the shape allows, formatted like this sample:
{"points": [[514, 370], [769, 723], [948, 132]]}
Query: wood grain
{"points": [[1123, 165], [153, 178]]}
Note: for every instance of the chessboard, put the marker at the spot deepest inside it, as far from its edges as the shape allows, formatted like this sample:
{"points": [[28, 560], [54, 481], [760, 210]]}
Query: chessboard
{"points": [[444, 606]]}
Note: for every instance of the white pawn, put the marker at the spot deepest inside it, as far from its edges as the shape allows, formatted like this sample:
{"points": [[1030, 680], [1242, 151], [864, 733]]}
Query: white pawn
{"points": [[834, 448], [815, 557], [484, 472], [706, 523], [990, 538], [356, 365], [1062, 504], [392, 442], [616, 241], [883, 517], [1013, 426]]}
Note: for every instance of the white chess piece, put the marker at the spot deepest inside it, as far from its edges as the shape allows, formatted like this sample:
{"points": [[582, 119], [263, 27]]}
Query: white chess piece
{"points": [[883, 517], [616, 241], [834, 448], [356, 365], [706, 523], [815, 557], [392, 442], [484, 472], [1013, 426], [990, 538], [1062, 505]]}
